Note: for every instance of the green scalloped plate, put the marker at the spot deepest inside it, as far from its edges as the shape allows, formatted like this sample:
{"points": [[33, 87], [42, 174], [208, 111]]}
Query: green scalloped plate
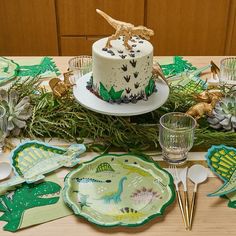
{"points": [[118, 190], [8, 69]]}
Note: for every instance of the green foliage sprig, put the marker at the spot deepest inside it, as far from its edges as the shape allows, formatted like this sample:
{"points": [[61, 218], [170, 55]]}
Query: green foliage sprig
{"points": [[65, 118]]}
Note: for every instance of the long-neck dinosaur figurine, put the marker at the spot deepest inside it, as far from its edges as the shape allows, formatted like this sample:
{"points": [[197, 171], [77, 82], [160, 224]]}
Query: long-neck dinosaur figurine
{"points": [[125, 29]]}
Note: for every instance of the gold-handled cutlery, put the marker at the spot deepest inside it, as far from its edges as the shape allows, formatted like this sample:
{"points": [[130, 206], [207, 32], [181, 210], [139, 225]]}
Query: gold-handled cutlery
{"points": [[174, 173], [197, 174], [183, 178]]}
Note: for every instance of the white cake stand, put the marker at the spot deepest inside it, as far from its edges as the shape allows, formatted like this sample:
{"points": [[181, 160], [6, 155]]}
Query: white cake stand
{"points": [[92, 102]]}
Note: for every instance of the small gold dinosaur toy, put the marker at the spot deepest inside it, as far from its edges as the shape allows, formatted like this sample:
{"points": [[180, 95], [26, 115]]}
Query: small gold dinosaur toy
{"points": [[215, 70], [125, 29], [208, 100], [59, 87], [158, 72]]}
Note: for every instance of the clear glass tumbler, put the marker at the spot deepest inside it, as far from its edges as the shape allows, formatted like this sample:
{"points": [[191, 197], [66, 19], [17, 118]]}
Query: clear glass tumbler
{"points": [[80, 65], [176, 136], [228, 71]]}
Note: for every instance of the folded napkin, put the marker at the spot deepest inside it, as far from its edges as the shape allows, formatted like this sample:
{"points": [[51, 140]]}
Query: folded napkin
{"points": [[27, 67], [33, 204]]}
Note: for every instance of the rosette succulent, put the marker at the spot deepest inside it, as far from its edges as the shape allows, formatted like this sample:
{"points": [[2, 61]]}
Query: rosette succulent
{"points": [[224, 114], [13, 112]]}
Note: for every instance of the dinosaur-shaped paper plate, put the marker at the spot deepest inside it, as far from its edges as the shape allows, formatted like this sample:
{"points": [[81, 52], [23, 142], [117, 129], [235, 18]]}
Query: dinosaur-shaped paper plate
{"points": [[118, 190], [232, 199], [31, 160], [8, 69], [222, 161]]}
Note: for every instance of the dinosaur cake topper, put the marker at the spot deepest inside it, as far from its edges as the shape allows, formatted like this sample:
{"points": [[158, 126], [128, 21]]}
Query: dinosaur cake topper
{"points": [[126, 30]]}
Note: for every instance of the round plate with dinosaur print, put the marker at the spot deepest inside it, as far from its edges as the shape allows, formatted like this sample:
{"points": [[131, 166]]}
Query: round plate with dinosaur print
{"points": [[118, 190]]}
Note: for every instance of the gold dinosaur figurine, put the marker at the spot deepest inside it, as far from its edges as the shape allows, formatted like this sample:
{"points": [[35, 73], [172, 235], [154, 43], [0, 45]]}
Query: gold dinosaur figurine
{"points": [[210, 95], [200, 109], [215, 70], [125, 29], [209, 99], [61, 87], [158, 72]]}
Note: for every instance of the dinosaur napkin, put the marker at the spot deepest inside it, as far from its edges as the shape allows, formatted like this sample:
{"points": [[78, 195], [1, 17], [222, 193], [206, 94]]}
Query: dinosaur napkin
{"points": [[173, 66], [27, 67], [37, 66], [33, 204], [232, 199]]}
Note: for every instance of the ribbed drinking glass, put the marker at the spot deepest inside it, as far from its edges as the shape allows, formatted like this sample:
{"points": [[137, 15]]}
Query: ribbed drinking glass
{"points": [[176, 136], [228, 71], [80, 65]]}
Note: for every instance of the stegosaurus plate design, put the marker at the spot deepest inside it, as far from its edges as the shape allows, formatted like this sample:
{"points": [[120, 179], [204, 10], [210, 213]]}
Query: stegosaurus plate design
{"points": [[128, 190]]}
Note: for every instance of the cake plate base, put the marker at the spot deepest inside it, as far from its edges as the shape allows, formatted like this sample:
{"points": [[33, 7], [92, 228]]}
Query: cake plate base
{"points": [[92, 102]]}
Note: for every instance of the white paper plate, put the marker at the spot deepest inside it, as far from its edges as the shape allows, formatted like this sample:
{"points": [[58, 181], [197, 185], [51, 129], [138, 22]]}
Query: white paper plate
{"points": [[92, 102]]}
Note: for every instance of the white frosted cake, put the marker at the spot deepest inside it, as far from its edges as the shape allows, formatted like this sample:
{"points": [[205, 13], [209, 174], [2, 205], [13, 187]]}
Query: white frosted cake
{"points": [[121, 75]]}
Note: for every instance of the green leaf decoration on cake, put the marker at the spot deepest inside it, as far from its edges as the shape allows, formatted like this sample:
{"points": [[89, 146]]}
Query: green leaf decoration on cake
{"points": [[104, 93], [115, 95], [112, 94], [150, 87]]}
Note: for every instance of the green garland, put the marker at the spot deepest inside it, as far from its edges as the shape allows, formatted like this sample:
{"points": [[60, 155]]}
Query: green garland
{"points": [[65, 118]]}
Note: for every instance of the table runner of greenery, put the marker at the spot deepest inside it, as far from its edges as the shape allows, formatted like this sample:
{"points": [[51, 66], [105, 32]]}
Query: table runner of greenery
{"points": [[65, 118]]}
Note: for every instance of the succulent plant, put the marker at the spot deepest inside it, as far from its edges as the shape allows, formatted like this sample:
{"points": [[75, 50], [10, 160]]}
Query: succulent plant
{"points": [[224, 114], [13, 112]]}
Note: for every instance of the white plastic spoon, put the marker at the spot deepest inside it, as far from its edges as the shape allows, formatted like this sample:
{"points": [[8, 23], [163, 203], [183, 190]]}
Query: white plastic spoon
{"points": [[197, 174], [5, 170]]}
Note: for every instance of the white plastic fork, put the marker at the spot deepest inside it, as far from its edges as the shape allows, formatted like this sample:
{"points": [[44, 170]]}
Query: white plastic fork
{"points": [[174, 173]]}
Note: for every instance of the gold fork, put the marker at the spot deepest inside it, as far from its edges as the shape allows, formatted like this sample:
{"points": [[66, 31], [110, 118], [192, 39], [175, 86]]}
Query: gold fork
{"points": [[174, 173]]}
